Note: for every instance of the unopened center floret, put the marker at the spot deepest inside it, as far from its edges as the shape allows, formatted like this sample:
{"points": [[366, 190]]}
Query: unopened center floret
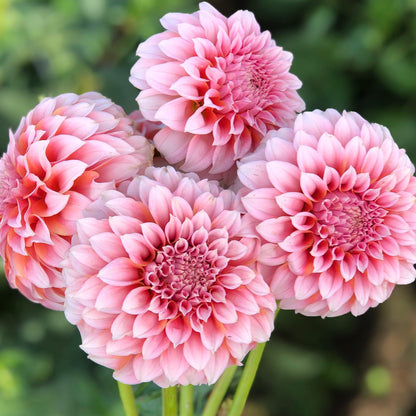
{"points": [[183, 272]]}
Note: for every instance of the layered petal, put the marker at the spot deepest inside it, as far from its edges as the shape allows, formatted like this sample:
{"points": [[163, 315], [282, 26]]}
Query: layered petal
{"points": [[217, 84], [344, 234], [176, 297], [66, 151]]}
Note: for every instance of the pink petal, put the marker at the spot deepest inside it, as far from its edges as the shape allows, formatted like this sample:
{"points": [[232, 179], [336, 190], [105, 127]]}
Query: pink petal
{"points": [[362, 289], [154, 346], [212, 335], [340, 298], [160, 204], [240, 331], [284, 176], [243, 301], [331, 178], [124, 347], [272, 255], [348, 179], [348, 267], [84, 259], [119, 272], [111, 298], [278, 148], [311, 161], [332, 151], [254, 175], [314, 123], [293, 202], [175, 113], [147, 325], [313, 186], [275, 230], [329, 283], [178, 331], [153, 235], [201, 121], [161, 77], [198, 154], [173, 363], [137, 301], [373, 163], [195, 352], [150, 101], [305, 287], [225, 312], [108, 246], [261, 203], [172, 144], [146, 370], [177, 48]]}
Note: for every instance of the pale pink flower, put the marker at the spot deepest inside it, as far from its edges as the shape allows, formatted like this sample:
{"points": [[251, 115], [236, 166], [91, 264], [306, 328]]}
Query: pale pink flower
{"points": [[334, 201], [217, 84], [161, 284], [64, 153]]}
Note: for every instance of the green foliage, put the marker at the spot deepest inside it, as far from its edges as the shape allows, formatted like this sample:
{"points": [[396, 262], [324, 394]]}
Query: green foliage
{"points": [[378, 380], [51, 47], [149, 399]]}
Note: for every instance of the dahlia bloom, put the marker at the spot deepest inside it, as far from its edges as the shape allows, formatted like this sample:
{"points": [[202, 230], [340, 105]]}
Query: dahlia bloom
{"points": [[161, 284], [333, 199], [217, 84], [64, 153]]}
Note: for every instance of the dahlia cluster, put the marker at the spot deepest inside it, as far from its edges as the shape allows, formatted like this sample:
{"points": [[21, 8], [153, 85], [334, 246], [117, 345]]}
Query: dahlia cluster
{"points": [[172, 267]]}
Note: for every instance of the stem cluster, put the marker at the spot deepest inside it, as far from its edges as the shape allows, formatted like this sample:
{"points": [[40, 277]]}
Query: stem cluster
{"points": [[186, 405]]}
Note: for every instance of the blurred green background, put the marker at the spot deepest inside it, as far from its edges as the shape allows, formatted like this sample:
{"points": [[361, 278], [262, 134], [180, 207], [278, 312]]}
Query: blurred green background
{"points": [[350, 54]]}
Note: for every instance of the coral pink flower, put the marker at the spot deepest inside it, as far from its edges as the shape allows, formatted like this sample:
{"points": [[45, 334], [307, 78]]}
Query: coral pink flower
{"points": [[217, 84], [64, 153], [161, 284], [334, 201]]}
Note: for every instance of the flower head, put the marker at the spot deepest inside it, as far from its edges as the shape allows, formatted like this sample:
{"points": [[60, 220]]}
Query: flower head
{"points": [[217, 84], [161, 284], [64, 153], [334, 202]]}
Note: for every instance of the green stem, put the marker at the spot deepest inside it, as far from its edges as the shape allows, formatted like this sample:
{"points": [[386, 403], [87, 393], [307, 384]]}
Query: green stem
{"points": [[128, 400], [218, 392], [170, 401], [186, 400], [247, 379]]}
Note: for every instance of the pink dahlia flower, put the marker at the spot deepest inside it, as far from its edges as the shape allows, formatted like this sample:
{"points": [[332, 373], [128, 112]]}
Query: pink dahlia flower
{"points": [[161, 284], [334, 202], [64, 153], [217, 84]]}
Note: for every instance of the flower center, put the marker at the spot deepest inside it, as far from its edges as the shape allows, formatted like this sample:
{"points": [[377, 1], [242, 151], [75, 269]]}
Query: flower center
{"points": [[250, 79], [348, 221], [183, 272]]}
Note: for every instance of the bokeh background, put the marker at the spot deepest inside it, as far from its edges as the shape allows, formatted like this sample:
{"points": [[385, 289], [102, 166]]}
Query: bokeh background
{"points": [[350, 54]]}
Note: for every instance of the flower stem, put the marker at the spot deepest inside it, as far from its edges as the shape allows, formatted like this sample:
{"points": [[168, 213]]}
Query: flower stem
{"points": [[128, 400], [247, 379], [170, 401], [186, 400], [218, 392]]}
